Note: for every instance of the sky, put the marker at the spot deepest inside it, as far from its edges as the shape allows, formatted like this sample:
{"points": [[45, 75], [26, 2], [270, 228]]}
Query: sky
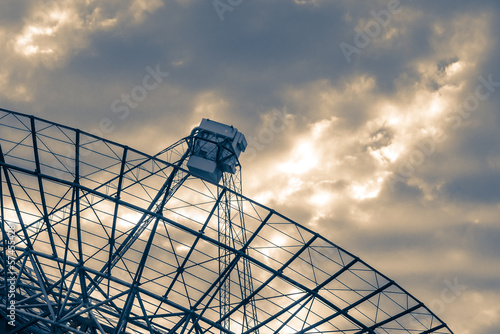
{"points": [[374, 123]]}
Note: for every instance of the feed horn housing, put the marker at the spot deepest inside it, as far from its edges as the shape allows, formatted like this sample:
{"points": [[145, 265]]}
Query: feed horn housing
{"points": [[215, 148]]}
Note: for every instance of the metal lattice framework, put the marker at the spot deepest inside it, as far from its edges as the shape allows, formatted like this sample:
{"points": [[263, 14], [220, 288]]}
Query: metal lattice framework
{"points": [[102, 238]]}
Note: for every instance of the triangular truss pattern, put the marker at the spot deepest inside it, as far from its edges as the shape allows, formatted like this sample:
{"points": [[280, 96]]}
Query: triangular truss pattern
{"points": [[100, 238]]}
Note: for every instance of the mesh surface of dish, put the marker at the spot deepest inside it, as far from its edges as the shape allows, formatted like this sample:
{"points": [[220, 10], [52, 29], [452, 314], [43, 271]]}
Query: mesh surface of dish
{"points": [[96, 250]]}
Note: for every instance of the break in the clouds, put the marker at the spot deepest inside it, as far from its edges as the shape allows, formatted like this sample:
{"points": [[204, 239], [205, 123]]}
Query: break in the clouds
{"points": [[389, 148]]}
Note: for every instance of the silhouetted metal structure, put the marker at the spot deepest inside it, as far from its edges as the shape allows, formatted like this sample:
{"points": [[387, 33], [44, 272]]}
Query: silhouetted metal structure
{"points": [[100, 238]]}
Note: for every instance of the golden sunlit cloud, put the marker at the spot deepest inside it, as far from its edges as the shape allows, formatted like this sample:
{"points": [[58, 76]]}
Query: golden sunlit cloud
{"points": [[304, 158], [38, 38], [143, 7], [320, 198], [129, 220], [210, 104], [56, 32], [329, 150], [25, 43], [367, 190], [279, 240], [182, 249]]}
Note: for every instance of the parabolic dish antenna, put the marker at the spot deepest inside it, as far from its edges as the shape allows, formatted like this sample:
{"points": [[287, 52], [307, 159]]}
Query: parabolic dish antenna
{"points": [[100, 238]]}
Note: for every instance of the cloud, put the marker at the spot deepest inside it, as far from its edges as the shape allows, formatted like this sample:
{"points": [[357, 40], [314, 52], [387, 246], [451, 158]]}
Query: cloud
{"points": [[52, 32], [57, 29], [481, 188]]}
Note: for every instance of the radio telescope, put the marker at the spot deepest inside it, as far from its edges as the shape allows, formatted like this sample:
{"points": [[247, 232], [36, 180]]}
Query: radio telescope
{"points": [[100, 238]]}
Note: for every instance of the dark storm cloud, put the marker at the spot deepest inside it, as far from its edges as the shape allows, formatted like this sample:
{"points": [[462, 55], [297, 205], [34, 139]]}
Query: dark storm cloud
{"points": [[483, 187]]}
